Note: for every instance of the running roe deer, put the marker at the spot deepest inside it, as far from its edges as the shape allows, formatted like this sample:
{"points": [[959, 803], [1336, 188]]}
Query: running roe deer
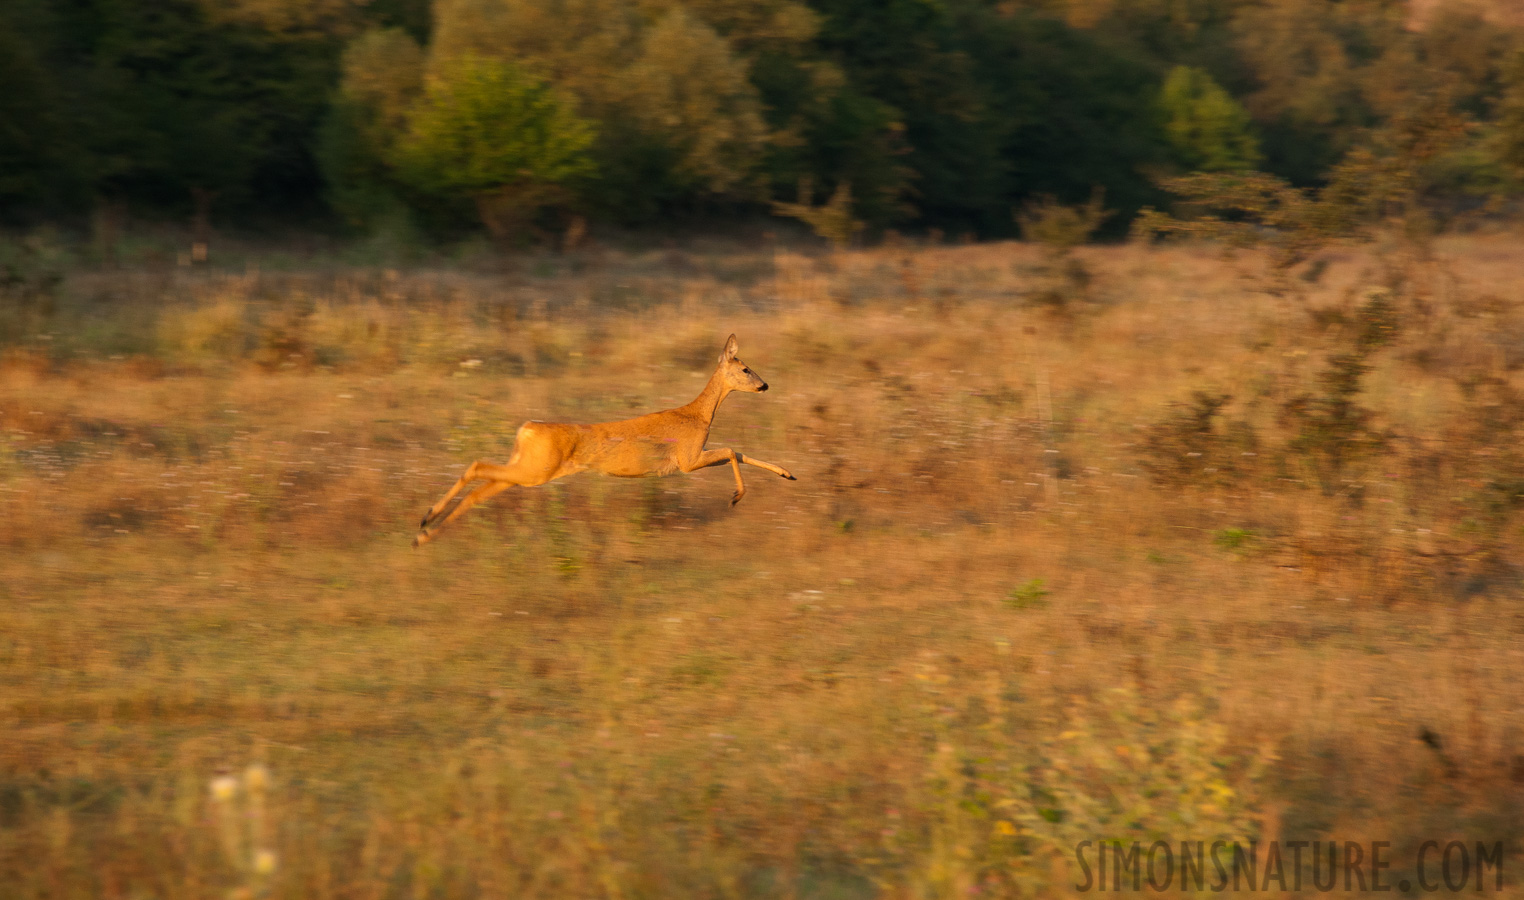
{"points": [[661, 443]]}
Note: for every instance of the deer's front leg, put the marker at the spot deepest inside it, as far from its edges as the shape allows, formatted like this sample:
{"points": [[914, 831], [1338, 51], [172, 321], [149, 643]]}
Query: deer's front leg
{"points": [[776, 470], [720, 457]]}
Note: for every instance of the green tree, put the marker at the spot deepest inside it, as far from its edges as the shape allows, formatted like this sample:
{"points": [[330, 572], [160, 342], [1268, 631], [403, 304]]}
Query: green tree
{"points": [[827, 130], [488, 130], [997, 104], [382, 79], [1071, 113], [911, 57], [40, 159], [1208, 129], [1306, 60], [1509, 138], [679, 121], [172, 105], [688, 86]]}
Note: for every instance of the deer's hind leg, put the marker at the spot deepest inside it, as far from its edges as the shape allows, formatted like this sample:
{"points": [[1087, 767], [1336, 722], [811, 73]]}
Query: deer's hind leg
{"points": [[477, 471], [486, 491], [538, 457]]}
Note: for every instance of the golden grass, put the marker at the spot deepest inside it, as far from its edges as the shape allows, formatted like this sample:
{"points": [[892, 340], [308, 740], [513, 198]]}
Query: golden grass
{"points": [[846, 686]]}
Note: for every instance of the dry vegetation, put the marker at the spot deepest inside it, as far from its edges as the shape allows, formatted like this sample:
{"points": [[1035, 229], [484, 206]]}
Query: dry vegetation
{"points": [[1171, 549]]}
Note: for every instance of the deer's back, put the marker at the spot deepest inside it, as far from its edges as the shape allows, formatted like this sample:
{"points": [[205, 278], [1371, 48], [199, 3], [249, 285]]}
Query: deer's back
{"points": [[646, 445]]}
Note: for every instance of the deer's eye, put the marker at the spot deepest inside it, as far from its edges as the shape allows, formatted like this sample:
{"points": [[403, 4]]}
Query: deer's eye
{"points": [[746, 370]]}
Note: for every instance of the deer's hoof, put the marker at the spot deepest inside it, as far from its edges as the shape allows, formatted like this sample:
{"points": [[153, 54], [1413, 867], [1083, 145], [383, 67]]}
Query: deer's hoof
{"points": [[736, 497], [789, 476]]}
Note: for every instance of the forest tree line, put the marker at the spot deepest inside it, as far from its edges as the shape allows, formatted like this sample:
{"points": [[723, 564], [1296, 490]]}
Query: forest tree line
{"points": [[518, 115]]}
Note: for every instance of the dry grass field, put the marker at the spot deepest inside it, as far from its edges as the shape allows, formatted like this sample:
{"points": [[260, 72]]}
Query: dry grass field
{"points": [[1038, 581]]}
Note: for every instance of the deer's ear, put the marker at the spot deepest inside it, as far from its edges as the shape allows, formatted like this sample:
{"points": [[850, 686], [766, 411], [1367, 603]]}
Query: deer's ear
{"points": [[730, 350]]}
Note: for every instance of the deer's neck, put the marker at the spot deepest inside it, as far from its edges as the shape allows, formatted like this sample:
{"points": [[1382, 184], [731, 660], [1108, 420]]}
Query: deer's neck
{"points": [[708, 402]]}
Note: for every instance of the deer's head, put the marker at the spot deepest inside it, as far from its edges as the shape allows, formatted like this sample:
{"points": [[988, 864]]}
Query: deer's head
{"points": [[737, 376]]}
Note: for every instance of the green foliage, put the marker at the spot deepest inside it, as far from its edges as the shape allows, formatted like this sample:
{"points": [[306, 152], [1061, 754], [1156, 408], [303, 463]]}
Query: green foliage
{"points": [[382, 79], [1133, 769], [1027, 595], [32, 269], [488, 130], [189, 103], [1248, 209], [1209, 130], [995, 817], [690, 88], [1333, 430], [1061, 278], [677, 116], [151, 103], [1377, 321], [998, 105], [1308, 96], [1189, 447], [1510, 127], [32, 171], [832, 220], [939, 115], [910, 56], [1061, 226], [1233, 539], [1381, 183], [32, 273], [825, 129], [1330, 430]]}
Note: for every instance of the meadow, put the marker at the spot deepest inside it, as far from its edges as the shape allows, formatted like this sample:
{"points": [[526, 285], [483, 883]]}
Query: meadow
{"points": [[1119, 542]]}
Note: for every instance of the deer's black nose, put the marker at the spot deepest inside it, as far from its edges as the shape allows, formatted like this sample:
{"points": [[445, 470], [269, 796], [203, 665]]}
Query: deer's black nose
{"points": [[763, 387]]}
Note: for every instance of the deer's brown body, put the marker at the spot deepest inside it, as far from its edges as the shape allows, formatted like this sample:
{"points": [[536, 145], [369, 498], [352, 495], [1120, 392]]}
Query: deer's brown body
{"points": [[662, 443]]}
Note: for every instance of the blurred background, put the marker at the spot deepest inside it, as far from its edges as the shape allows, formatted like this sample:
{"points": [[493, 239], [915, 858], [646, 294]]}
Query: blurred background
{"points": [[1153, 372], [424, 123]]}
